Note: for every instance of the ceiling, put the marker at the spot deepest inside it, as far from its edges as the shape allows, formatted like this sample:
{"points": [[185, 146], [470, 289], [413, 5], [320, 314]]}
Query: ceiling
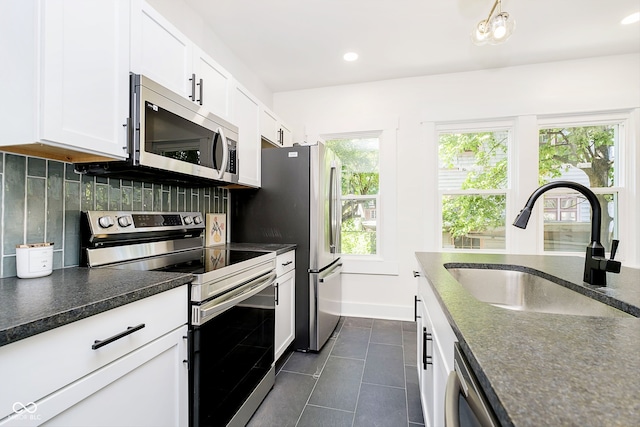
{"points": [[299, 44]]}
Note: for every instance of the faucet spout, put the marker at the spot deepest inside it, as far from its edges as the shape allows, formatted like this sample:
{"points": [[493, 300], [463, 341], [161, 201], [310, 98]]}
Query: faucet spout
{"points": [[596, 265]]}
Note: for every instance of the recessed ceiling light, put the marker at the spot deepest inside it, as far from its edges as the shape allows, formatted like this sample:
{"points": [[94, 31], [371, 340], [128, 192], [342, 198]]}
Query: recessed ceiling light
{"points": [[350, 56], [631, 19]]}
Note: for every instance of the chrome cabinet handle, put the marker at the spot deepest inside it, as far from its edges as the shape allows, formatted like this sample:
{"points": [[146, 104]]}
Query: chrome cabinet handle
{"points": [[277, 286], [426, 359], [284, 264], [415, 308], [131, 329], [193, 87], [200, 85], [416, 273]]}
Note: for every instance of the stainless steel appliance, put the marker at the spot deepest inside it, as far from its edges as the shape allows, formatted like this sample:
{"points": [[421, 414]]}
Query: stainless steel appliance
{"points": [[465, 404], [231, 326], [299, 202], [172, 140]]}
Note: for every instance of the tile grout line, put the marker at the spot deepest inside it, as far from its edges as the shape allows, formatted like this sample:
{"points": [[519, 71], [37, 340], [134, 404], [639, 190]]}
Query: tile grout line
{"points": [[317, 379], [355, 410], [404, 368]]}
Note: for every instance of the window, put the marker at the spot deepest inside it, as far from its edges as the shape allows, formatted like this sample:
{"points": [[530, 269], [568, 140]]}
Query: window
{"points": [[583, 153], [473, 183], [360, 193]]}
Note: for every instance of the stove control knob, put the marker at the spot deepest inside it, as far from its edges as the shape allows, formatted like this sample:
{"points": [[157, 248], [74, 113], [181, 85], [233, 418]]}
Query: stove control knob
{"points": [[197, 219], [105, 221], [124, 221], [187, 220]]}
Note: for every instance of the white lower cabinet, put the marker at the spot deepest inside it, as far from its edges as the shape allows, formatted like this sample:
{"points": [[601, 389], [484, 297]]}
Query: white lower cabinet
{"points": [[57, 378], [142, 388], [285, 302], [435, 341]]}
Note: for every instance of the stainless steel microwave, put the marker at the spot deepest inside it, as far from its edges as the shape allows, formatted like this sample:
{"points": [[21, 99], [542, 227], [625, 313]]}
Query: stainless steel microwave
{"points": [[173, 140]]}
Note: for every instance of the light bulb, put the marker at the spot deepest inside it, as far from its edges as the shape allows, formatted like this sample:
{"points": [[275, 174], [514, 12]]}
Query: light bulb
{"points": [[501, 28], [498, 26], [480, 33]]}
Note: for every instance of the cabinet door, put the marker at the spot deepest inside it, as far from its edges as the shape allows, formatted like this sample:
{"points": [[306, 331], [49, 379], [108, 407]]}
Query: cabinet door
{"points": [[285, 312], [287, 137], [148, 387], [85, 74], [213, 84], [425, 365], [269, 126], [246, 115], [159, 50]]}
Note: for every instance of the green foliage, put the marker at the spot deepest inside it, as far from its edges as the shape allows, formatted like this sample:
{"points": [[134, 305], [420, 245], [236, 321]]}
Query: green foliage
{"points": [[587, 148], [360, 165], [462, 215], [356, 239]]}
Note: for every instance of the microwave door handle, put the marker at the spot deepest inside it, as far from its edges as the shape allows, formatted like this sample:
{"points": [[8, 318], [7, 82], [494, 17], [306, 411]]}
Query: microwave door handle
{"points": [[225, 153]]}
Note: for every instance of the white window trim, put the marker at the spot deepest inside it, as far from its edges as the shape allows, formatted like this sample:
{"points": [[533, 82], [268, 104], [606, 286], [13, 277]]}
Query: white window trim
{"points": [[476, 127], [385, 261], [623, 173]]}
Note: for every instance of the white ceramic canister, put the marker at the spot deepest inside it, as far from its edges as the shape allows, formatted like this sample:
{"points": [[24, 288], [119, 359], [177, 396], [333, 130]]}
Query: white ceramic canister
{"points": [[34, 260]]}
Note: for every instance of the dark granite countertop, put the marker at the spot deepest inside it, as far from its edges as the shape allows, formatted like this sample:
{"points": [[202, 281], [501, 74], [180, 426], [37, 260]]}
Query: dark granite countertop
{"points": [[31, 306], [278, 248], [548, 369]]}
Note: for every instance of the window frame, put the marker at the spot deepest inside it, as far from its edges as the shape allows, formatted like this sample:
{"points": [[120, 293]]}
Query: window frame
{"points": [[385, 262], [620, 167], [475, 127], [361, 197]]}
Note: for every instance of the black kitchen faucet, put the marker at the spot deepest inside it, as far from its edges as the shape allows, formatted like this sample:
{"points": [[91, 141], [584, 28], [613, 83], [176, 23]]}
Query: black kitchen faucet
{"points": [[596, 265]]}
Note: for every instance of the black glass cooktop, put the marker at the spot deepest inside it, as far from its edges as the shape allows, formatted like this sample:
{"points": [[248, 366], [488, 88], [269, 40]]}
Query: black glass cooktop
{"points": [[210, 259]]}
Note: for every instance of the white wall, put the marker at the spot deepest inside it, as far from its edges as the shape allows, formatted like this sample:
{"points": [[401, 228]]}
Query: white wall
{"points": [[520, 93], [193, 26]]}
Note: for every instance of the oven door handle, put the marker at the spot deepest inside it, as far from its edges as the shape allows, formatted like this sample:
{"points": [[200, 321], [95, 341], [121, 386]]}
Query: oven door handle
{"points": [[217, 308], [457, 385]]}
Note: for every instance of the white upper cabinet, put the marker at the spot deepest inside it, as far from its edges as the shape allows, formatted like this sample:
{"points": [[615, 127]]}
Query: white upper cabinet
{"points": [[213, 84], [164, 54], [66, 83], [246, 115], [274, 130], [158, 50]]}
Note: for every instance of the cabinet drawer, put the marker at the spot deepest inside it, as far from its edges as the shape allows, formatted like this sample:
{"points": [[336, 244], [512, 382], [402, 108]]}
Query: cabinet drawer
{"points": [[44, 363], [285, 262]]}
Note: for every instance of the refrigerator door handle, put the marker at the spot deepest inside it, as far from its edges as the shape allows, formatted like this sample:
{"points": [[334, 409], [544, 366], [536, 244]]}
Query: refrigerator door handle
{"points": [[338, 267], [332, 209]]}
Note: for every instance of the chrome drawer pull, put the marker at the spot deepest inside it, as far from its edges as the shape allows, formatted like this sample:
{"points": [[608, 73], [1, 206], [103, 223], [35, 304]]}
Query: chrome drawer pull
{"points": [[131, 329], [284, 264]]}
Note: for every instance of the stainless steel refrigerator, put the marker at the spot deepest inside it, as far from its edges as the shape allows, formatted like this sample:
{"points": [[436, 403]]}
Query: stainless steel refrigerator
{"points": [[299, 202]]}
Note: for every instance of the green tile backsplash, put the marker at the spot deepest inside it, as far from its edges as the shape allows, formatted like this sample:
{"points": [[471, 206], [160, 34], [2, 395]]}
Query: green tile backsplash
{"points": [[41, 201]]}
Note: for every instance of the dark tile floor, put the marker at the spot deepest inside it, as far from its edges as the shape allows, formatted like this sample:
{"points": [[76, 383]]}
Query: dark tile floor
{"points": [[364, 376]]}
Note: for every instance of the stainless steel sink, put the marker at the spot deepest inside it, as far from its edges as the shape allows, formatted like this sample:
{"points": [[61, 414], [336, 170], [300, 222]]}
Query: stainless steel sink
{"points": [[517, 290]]}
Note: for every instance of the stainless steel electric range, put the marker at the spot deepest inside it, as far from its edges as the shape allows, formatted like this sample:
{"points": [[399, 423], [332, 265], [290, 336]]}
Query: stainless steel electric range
{"points": [[231, 324]]}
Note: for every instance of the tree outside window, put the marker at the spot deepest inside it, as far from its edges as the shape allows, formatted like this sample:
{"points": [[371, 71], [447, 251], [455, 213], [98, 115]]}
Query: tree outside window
{"points": [[360, 193], [473, 172], [473, 178], [584, 154]]}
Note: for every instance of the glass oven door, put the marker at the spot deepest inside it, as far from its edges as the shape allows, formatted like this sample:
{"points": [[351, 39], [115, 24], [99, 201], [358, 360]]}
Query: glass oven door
{"points": [[233, 356]]}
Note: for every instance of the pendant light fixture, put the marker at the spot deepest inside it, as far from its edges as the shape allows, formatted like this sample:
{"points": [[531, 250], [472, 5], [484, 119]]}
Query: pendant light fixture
{"points": [[496, 29]]}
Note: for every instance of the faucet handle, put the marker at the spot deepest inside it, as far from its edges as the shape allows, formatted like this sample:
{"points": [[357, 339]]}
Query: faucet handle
{"points": [[614, 248]]}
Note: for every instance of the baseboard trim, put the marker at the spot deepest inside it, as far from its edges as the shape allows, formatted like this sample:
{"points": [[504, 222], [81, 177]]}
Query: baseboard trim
{"points": [[378, 311]]}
